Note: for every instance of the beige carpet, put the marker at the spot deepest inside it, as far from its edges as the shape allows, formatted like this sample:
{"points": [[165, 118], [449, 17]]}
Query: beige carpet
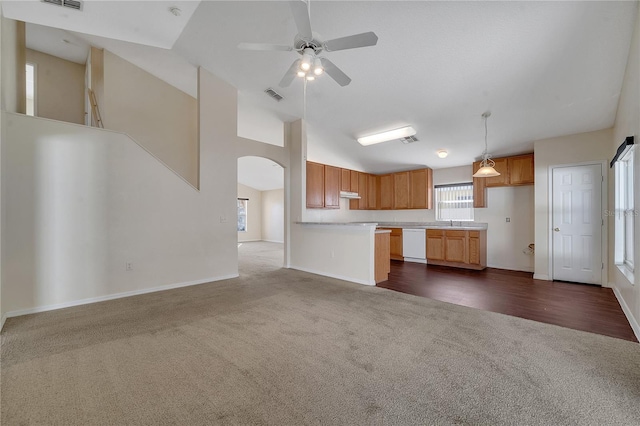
{"points": [[283, 347]]}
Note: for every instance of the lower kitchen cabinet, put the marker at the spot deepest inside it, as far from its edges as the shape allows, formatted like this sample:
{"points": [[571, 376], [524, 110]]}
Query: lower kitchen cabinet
{"points": [[457, 248], [382, 265], [395, 243]]}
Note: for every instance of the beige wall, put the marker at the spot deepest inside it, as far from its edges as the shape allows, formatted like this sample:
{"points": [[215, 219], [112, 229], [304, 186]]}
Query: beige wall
{"points": [[254, 213], [273, 215], [583, 147], [59, 87], [628, 124], [160, 117], [12, 50]]}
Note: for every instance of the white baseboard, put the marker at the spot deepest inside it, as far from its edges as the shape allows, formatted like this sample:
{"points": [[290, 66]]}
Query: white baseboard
{"points": [[273, 241], [339, 277], [627, 312], [543, 277], [89, 300], [511, 268], [415, 260], [2, 320]]}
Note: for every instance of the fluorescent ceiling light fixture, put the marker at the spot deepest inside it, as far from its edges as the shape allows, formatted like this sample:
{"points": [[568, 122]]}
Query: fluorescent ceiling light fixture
{"points": [[442, 153], [387, 136]]}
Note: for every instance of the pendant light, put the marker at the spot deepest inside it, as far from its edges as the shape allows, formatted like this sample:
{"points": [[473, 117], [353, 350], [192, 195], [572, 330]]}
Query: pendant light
{"points": [[486, 165]]}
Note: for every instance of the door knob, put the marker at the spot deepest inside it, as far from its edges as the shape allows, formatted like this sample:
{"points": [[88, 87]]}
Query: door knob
{"points": [[556, 229]]}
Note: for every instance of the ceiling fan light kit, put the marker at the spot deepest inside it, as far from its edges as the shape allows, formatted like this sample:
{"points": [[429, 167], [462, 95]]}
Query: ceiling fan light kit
{"points": [[487, 164], [390, 135], [310, 46]]}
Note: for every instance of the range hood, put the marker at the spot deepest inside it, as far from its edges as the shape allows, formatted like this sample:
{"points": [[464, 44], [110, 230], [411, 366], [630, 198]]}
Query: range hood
{"points": [[350, 195]]}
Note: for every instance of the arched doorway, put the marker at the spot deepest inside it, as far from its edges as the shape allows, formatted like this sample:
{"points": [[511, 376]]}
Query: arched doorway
{"points": [[261, 215]]}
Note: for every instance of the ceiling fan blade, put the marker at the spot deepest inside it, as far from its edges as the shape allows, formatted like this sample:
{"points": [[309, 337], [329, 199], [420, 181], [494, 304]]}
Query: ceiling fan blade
{"points": [[351, 42], [334, 72], [300, 11], [290, 74], [264, 46]]}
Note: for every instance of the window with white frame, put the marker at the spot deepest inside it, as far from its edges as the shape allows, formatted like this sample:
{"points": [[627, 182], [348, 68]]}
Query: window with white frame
{"points": [[242, 214], [624, 214], [454, 202]]}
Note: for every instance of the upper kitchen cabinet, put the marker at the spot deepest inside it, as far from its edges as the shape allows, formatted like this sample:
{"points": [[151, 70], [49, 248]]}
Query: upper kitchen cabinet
{"points": [[386, 192], [315, 185], [372, 192], [355, 187], [401, 190], [501, 167], [331, 187], [521, 170], [421, 189], [323, 186], [345, 180], [479, 191]]}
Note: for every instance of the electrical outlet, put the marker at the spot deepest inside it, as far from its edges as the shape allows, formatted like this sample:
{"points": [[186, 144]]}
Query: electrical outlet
{"points": [[128, 266], [223, 219], [508, 219]]}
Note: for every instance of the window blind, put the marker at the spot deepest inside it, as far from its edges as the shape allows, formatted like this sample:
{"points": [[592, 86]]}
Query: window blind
{"points": [[454, 202]]}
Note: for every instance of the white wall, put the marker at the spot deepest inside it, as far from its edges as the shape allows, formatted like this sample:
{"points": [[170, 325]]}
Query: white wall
{"points": [[254, 213], [257, 122], [583, 147], [273, 215], [160, 117], [59, 87], [628, 124], [81, 202]]}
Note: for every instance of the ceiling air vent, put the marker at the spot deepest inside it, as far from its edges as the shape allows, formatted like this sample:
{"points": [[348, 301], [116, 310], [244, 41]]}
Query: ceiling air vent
{"points": [[409, 139], [71, 4], [275, 95]]}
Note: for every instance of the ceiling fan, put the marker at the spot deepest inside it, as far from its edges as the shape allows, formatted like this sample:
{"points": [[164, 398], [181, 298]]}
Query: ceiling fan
{"points": [[310, 45]]}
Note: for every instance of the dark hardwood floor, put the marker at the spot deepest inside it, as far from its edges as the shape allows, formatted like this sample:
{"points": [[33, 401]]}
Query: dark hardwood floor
{"points": [[578, 306]]}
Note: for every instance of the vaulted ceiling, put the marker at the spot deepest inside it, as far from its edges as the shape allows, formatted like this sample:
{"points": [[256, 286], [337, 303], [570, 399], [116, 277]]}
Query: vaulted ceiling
{"points": [[543, 69]]}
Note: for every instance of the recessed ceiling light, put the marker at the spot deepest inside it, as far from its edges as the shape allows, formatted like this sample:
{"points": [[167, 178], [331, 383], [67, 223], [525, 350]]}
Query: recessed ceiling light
{"points": [[175, 11], [442, 153]]}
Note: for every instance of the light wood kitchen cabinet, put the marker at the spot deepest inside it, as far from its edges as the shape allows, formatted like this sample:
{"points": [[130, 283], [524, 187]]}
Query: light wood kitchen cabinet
{"points": [[421, 189], [382, 265], [457, 248], [435, 244], [315, 185], [331, 187], [345, 180], [474, 247], [401, 190], [372, 192], [355, 180], [521, 169], [363, 191], [479, 189], [514, 171], [386, 192], [395, 242], [501, 167]]}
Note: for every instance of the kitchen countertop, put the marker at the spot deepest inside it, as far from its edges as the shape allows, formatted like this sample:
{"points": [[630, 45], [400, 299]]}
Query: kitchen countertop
{"points": [[478, 226]]}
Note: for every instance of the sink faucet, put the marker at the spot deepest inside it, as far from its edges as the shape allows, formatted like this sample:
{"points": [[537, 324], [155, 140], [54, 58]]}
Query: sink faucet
{"points": [[451, 222]]}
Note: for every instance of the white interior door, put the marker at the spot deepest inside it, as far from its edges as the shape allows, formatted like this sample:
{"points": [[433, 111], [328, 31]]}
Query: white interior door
{"points": [[577, 223]]}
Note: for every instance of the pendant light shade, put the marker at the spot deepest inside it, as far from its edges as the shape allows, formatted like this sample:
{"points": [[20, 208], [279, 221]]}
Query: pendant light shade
{"points": [[487, 164]]}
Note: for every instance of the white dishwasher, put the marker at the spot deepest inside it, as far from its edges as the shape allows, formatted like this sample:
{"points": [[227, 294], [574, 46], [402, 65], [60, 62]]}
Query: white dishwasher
{"points": [[414, 245]]}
